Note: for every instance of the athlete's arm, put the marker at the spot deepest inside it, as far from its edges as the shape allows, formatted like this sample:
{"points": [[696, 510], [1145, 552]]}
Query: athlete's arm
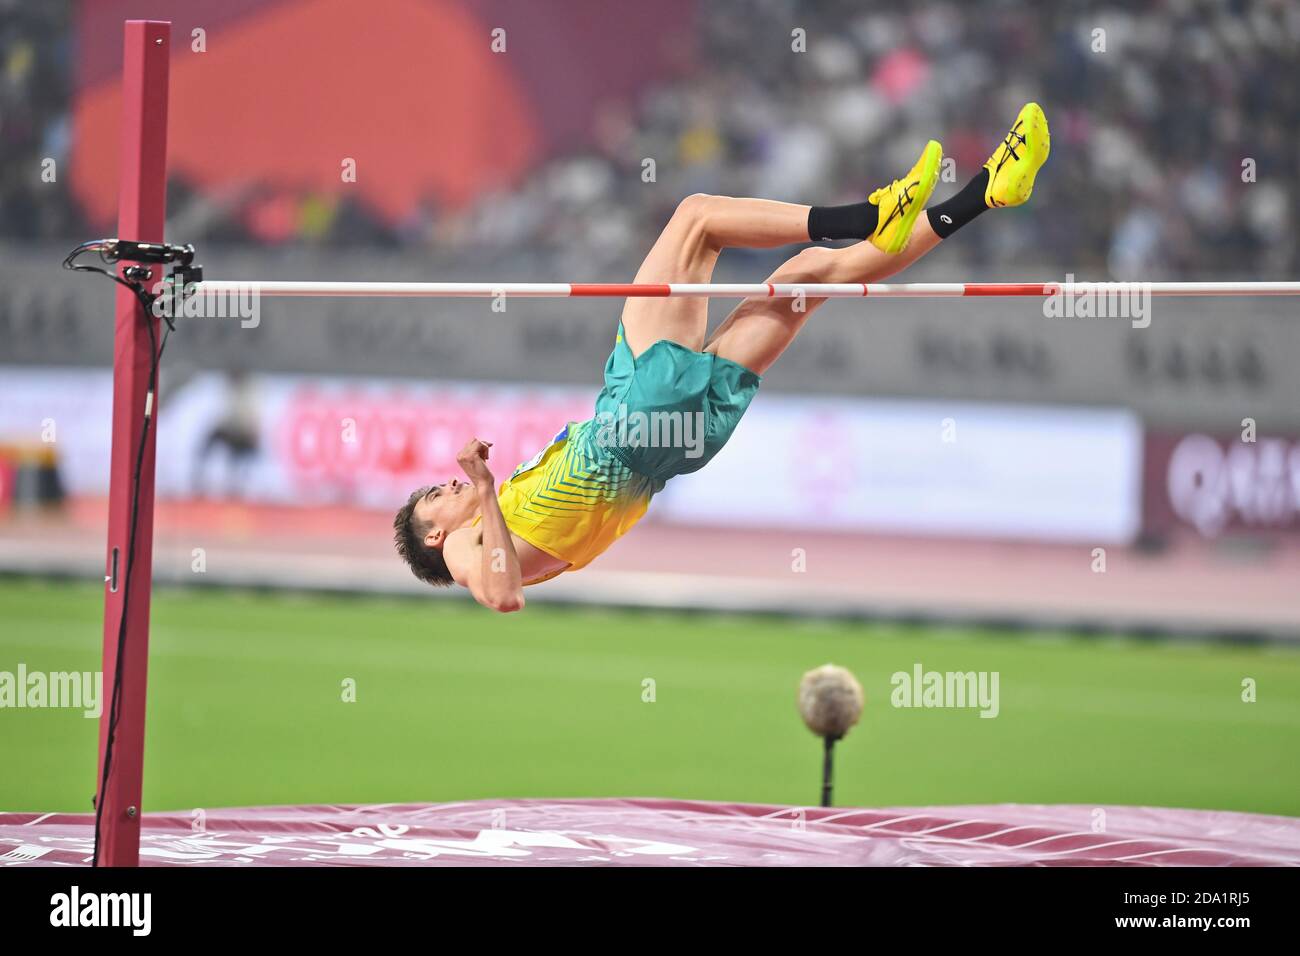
{"points": [[485, 556]]}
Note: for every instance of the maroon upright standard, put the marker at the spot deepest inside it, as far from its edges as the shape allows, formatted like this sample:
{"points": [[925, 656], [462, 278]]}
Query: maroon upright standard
{"points": [[142, 196]]}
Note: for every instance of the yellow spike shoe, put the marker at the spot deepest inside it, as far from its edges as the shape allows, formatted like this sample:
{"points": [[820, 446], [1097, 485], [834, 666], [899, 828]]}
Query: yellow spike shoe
{"points": [[902, 200], [1018, 158]]}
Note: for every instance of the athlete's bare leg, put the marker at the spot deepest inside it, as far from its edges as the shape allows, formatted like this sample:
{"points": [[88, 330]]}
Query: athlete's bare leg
{"points": [[687, 250], [759, 330]]}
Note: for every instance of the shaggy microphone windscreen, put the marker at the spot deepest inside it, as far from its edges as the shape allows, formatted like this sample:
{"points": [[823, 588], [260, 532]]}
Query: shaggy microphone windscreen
{"points": [[830, 700]]}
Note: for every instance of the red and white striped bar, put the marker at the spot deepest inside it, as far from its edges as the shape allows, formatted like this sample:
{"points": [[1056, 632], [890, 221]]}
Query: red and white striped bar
{"points": [[854, 290]]}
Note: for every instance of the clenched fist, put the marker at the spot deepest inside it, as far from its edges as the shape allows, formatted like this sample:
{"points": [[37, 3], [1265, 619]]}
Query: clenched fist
{"points": [[473, 461]]}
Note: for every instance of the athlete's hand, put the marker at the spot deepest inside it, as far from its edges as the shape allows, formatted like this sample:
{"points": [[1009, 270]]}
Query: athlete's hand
{"points": [[473, 461]]}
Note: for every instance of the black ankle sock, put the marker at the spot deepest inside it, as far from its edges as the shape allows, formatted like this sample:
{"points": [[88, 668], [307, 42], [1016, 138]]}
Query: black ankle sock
{"points": [[947, 217], [842, 222]]}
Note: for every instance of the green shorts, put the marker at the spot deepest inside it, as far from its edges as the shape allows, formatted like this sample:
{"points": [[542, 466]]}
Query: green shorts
{"points": [[671, 409]]}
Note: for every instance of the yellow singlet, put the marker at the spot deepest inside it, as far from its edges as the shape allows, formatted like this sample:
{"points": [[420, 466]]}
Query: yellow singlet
{"points": [[575, 498]]}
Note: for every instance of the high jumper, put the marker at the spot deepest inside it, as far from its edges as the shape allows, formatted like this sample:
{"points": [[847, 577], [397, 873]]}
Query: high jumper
{"points": [[671, 399]]}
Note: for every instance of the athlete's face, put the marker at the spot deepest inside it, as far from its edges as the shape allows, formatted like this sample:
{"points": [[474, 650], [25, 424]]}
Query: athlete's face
{"points": [[445, 508]]}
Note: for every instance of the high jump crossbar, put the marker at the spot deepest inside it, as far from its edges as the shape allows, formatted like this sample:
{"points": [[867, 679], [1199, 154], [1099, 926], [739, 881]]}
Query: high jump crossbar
{"points": [[129, 559], [842, 290]]}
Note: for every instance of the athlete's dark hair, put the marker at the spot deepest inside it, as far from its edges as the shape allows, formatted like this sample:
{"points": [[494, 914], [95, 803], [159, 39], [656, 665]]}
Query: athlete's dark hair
{"points": [[426, 563]]}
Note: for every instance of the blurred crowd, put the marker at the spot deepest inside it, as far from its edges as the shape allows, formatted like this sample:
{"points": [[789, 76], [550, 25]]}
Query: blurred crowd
{"points": [[36, 69], [1174, 130]]}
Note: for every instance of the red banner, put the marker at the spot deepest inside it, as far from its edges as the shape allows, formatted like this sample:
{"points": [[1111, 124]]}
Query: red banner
{"points": [[1218, 485]]}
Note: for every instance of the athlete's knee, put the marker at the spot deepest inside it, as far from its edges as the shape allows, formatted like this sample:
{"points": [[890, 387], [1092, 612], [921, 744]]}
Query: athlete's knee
{"points": [[696, 206], [693, 215]]}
